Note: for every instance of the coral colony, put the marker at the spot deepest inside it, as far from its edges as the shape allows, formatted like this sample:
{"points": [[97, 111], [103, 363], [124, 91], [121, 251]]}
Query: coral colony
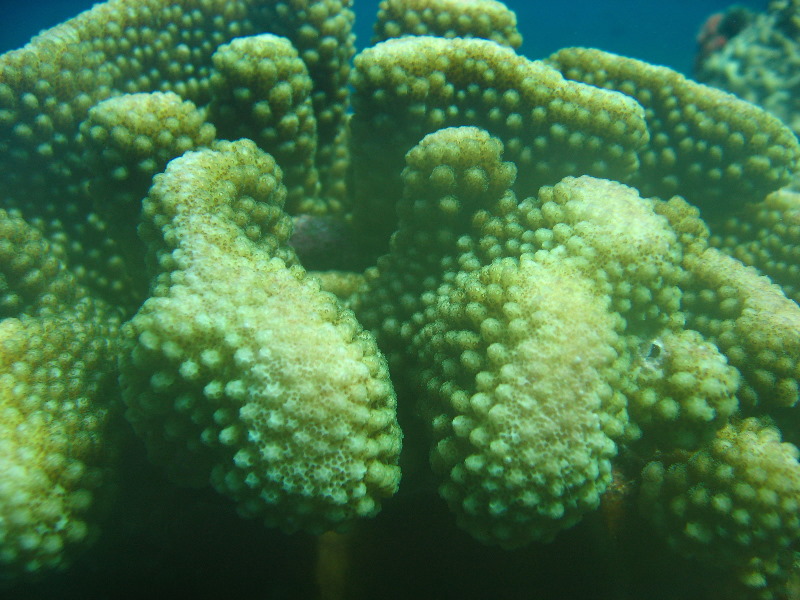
{"points": [[576, 267]]}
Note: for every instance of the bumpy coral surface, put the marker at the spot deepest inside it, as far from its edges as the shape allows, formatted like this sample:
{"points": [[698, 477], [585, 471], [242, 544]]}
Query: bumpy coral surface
{"points": [[735, 501], [408, 87], [494, 345], [485, 19], [277, 395], [58, 348], [579, 301], [705, 145]]}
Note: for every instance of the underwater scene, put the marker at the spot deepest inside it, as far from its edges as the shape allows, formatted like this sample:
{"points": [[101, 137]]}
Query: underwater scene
{"points": [[410, 299]]}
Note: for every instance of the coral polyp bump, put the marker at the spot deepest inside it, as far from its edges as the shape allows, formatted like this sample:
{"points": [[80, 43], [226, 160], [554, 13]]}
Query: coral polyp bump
{"points": [[580, 270]]}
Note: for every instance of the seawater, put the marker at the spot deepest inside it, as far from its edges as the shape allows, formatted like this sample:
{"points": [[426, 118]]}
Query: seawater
{"points": [[658, 32]]}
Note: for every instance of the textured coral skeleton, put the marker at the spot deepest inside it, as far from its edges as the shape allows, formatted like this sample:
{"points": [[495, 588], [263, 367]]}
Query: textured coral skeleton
{"points": [[580, 267]]}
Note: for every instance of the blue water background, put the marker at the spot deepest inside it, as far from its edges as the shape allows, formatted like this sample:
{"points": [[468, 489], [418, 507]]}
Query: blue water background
{"points": [[655, 31]]}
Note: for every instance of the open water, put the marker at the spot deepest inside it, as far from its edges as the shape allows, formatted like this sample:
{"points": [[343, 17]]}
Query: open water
{"points": [[655, 31]]}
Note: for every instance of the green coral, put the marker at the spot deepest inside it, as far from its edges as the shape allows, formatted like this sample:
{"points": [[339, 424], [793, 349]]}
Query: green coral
{"points": [[732, 502], [488, 344], [515, 466], [277, 396], [556, 332], [766, 236], [463, 303], [48, 88], [130, 138], [262, 91], [58, 400], [684, 389], [406, 88], [715, 150], [752, 322], [487, 19], [462, 320]]}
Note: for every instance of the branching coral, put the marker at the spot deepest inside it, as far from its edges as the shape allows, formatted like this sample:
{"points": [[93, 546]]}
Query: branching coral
{"points": [[262, 91], [48, 87], [554, 328]]}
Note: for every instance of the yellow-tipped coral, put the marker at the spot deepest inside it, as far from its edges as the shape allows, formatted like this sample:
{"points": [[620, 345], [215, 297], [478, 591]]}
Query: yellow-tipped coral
{"points": [[551, 127], [57, 398], [752, 322], [262, 91], [734, 503], [240, 369], [487, 19], [556, 332], [492, 346], [712, 148]]}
